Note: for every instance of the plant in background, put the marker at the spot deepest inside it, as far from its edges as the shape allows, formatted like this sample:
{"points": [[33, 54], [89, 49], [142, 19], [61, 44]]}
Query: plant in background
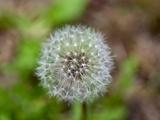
{"points": [[75, 64]]}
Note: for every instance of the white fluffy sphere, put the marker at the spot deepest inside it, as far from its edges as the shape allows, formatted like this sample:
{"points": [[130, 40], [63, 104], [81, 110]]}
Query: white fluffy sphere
{"points": [[75, 64]]}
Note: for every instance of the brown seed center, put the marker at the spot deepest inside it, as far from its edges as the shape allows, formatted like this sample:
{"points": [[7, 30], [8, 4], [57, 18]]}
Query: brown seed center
{"points": [[75, 64]]}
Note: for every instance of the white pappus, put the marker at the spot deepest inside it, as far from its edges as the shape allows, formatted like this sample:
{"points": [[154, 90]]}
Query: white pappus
{"points": [[75, 64]]}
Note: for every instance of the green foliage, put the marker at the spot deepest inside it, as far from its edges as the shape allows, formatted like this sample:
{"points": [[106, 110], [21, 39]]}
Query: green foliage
{"points": [[76, 111], [127, 76], [64, 11], [114, 114], [27, 57], [5, 22]]}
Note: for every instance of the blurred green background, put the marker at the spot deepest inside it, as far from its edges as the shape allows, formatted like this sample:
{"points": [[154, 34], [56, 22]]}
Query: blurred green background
{"points": [[132, 28]]}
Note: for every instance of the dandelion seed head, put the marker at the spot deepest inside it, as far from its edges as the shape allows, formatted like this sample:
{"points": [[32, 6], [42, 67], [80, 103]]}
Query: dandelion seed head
{"points": [[75, 64]]}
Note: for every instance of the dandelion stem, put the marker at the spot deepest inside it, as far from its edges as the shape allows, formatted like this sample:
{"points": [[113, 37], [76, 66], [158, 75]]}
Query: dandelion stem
{"points": [[84, 111]]}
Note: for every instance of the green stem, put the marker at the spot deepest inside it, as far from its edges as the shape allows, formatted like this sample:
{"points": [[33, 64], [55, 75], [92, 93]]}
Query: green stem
{"points": [[84, 111]]}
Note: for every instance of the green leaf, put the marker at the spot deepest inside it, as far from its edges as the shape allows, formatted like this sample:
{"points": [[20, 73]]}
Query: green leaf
{"points": [[117, 113], [76, 111], [26, 59], [64, 11], [127, 75]]}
